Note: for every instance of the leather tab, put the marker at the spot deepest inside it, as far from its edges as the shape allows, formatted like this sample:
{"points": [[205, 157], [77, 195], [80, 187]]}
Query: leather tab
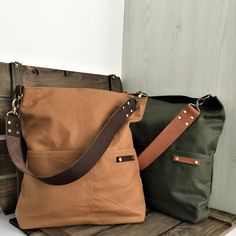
{"points": [[186, 160], [125, 158], [13, 125]]}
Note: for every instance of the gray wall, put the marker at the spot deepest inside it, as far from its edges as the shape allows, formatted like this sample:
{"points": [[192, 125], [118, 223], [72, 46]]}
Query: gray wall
{"points": [[187, 47]]}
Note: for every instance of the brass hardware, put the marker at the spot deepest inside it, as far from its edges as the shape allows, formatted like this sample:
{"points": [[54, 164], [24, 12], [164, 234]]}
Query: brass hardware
{"points": [[139, 95], [200, 102], [15, 105]]}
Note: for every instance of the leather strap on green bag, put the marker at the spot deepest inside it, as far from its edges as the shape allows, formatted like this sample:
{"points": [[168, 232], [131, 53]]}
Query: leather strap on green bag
{"points": [[181, 122]]}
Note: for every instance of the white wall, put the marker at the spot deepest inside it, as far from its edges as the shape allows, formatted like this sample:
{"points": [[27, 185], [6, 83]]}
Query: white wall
{"points": [[187, 47], [81, 35]]}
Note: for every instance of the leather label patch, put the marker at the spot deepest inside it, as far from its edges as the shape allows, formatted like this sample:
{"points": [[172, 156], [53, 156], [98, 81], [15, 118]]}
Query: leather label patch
{"points": [[125, 158], [186, 160]]}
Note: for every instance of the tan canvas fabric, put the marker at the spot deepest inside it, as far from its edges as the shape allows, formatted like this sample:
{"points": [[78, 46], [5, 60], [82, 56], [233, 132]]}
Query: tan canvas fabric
{"points": [[58, 124]]}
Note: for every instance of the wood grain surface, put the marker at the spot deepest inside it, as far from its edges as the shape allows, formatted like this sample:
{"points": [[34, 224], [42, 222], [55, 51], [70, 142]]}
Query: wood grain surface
{"points": [[5, 80], [6, 167], [155, 224], [5, 106], [187, 47], [8, 193]]}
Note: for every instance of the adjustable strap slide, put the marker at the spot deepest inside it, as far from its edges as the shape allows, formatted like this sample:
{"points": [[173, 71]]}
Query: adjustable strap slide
{"points": [[182, 121], [84, 162]]}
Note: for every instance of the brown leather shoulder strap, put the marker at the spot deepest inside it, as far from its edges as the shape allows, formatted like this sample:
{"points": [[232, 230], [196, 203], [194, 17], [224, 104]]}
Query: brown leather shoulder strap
{"points": [[86, 161], [169, 135]]}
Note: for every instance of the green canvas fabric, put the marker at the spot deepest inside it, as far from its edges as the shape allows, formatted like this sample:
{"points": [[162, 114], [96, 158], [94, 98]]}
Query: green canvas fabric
{"points": [[178, 189]]}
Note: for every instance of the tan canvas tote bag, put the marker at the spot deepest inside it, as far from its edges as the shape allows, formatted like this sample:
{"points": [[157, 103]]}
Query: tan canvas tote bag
{"points": [[81, 166]]}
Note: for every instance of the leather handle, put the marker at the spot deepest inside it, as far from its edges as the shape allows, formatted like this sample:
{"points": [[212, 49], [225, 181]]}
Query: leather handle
{"points": [[181, 122], [86, 161]]}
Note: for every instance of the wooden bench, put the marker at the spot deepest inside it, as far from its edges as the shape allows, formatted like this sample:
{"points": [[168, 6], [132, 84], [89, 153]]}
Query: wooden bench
{"points": [[219, 223], [154, 224]]}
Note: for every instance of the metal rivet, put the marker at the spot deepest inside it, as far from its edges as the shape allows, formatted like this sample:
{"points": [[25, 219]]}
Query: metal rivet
{"points": [[185, 111], [120, 159], [9, 131], [196, 162], [192, 117], [123, 107], [179, 117], [17, 132], [176, 158], [128, 103], [127, 115], [9, 122], [131, 110], [186, 123]]}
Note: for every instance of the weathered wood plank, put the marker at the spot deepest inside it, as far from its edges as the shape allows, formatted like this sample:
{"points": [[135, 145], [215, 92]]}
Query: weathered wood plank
{"points": [[115, 84], [39, 234], [218, 223], [82, 230], [37, 76], [208, 227], [3, 148], [155, 224], [6, 165], [223, 216], [8, 194], [5, 106], [5, 80], [7, 180]]}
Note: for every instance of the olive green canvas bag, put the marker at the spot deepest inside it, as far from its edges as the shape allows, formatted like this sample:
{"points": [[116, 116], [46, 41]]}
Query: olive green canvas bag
{"points": [[176, 141]]}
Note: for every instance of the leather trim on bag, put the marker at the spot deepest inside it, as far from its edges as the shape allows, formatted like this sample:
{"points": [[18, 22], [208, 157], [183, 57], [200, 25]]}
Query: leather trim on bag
{"points": [[186, 160], [125, 158], [181, 122]]}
